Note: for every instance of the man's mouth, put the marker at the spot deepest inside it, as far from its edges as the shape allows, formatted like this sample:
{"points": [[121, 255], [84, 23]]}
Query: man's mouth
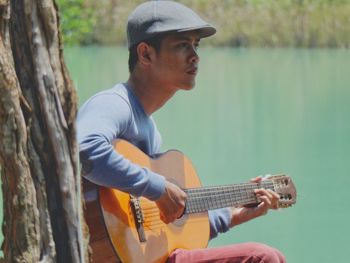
{"points": [[193, 70]]}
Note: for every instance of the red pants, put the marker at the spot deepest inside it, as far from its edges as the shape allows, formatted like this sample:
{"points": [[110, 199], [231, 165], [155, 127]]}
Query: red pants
{"points": [[240, 253]]}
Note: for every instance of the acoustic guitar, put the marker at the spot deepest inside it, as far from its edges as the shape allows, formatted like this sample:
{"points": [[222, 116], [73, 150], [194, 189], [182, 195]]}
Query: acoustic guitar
{"points": [[128, 229]]}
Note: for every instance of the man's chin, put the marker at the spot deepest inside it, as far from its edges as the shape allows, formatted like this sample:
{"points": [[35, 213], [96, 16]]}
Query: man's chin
{"points": [[188, 86]]}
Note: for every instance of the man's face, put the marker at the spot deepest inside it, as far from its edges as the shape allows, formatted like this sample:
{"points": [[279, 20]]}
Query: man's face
{"points": [[176, 63]]}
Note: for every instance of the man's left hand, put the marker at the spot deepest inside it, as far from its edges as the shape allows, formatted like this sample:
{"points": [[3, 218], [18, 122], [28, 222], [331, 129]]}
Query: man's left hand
{"points": [[269, 200]]}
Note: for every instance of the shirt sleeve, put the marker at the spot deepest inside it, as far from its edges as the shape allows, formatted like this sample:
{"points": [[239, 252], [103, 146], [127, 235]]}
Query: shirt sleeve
{"points": [[219, 220], [102, 120]]}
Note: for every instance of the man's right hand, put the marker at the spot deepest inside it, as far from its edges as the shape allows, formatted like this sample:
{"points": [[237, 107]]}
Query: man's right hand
{"points": [[171, 204]]}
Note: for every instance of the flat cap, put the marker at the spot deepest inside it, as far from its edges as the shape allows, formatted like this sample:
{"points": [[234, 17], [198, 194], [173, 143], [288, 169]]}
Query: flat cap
{"points": [[155, 17]]}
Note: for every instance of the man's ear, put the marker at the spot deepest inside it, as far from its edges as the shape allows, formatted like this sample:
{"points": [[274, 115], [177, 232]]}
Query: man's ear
{"points": [[145, 53]]}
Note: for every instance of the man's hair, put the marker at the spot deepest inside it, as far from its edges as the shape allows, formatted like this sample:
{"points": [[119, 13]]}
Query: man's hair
{"points": [[154, 42]]}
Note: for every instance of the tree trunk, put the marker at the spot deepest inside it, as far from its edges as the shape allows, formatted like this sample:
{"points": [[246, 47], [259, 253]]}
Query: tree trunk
{"points": [[38, 152]]}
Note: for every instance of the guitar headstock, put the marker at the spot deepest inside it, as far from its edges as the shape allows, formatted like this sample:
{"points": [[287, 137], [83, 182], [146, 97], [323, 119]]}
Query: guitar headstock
{"points": [[284, 186]]}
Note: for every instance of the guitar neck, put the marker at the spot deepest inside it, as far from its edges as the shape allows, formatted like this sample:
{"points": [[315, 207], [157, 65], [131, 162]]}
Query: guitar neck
{"points": [[208, 198]]}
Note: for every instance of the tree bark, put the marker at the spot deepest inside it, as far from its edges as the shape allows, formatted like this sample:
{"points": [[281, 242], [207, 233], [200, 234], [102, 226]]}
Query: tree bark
{"points": [[38, 152]]}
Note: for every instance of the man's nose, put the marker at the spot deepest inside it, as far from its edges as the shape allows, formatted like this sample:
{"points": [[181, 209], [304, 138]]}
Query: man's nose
{"points": [[194, 55]]}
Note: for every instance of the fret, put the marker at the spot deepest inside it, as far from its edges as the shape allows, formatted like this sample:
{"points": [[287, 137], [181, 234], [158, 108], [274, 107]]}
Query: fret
{"points": [[207, 198]]}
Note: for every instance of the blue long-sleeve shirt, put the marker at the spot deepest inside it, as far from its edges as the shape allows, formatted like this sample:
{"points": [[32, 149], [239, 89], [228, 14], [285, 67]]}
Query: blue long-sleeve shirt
{"points": [[117, 114]]}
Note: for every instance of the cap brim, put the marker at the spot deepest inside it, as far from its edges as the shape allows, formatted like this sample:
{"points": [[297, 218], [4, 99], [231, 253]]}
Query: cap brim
{"points": [[204, 31]]}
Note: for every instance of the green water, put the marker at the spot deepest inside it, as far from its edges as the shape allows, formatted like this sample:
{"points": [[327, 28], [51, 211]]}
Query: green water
{"points": [[259, 111], [255, 112]]}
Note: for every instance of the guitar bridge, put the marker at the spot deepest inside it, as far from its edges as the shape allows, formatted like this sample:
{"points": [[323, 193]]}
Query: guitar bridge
{"points": [[138, 216]]}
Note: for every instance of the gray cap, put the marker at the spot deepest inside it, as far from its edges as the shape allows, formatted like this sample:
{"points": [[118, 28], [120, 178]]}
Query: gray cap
{"points": [[152, 18]]}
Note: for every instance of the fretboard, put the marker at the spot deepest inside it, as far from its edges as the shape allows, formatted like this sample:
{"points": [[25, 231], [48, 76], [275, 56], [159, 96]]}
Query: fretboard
{"points": [[208, 198]]}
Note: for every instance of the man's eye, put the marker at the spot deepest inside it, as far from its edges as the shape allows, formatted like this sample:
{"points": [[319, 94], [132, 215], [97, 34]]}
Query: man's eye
{"points": [[183, 45]]}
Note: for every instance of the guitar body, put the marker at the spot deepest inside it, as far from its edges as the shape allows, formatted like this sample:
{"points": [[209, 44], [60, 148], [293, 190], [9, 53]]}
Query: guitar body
{"points": [[118, 236], [127, 229]]}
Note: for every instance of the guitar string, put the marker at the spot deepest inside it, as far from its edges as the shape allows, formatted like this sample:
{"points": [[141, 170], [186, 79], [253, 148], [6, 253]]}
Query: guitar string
{"points": [[212, 193], [153, 222], [196, 198], [157, 224], [210, 203], [200, 205], [205, 192], [153, 211], [210, 198], [240, 195], [226, 197], [156, 227], [204, 201], [240, 187], [196, 195], [159, 221], [222, 194], [152, 218]]}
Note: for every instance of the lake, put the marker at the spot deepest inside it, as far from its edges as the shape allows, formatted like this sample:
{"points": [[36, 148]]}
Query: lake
{"points": [[256, 112]]}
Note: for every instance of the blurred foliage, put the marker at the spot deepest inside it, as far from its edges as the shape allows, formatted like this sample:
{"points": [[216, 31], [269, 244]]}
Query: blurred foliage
{"points": [[78, 21], [260, 23]]}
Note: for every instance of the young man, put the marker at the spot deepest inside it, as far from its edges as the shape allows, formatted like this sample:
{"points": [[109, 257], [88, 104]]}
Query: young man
{"points": [[163, 37]]}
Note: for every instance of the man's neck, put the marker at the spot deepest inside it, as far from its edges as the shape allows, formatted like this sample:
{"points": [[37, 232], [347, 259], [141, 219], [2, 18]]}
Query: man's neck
{"points": [[149, 92]]}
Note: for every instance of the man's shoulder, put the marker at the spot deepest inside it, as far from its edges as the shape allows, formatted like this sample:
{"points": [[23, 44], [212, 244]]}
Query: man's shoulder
{"points": [[117, 94], [117, 90], [113, 102]]}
